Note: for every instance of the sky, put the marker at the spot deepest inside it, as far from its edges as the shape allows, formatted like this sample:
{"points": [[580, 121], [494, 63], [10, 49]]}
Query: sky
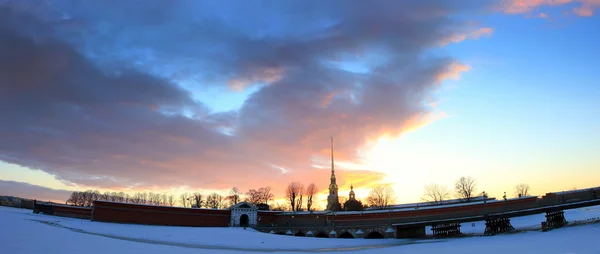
{"points": [[176, 96]]}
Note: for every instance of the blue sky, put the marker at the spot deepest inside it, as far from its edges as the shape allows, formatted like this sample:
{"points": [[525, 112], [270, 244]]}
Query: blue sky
{"points": [[514, 83]]}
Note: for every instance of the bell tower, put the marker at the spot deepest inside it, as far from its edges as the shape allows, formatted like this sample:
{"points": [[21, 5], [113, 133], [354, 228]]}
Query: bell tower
{"points": [[333, 202]]}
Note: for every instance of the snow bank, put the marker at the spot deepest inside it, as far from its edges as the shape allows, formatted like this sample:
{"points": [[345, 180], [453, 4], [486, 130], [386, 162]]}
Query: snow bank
{"points": [[22, 232]]}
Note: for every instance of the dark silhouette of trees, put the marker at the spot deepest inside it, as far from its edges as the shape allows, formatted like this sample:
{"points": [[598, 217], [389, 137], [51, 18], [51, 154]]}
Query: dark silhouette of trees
{"points": [[522, 189], [381, 197], [266, 195], [293, 192], [197, 200], [311, 190], [253, 196], [84, 198], [234, 196], [155, 198], [300, 196], [261, 196], [183, 198], [436, 193], [87, 198], [214, 200], [171, 200], [465, 188]]}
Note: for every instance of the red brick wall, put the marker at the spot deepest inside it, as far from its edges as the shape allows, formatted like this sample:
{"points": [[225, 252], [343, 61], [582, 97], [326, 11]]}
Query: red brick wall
{"points": [[159, 215], [267, 218], [62, 210], [383, 217], [73, 212]]}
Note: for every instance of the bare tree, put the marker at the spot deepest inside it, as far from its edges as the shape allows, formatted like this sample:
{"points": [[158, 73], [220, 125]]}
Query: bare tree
{"points": [[87, 197], [75, 199], [183, 198], [114, 197], [106, 196], [154, 198], [292, 192], [465, 188], [265, 195], [300, 197], [214, 200], [164, 199], [136, 198], [119, 197], [253, 196], [171, 200], [234, 196], [436, 193], [381, 196], [311, 190], [196, 200], [219, 200], [143, 198], [522, 189]]}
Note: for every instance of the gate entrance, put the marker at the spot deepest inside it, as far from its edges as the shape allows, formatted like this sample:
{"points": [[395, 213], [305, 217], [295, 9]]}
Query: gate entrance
{"points": [[244, 220], [243, 214]]}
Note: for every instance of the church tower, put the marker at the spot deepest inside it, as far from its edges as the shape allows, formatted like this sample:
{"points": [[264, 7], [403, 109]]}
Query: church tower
{"points": [[333, 202]]}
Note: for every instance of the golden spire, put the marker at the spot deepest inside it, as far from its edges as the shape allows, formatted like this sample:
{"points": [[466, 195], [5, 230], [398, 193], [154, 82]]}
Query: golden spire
{"points": [[332, 168]]}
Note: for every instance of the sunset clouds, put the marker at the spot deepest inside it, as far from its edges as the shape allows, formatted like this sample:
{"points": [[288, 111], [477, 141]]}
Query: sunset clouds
{"points": [[578, 7], [112, 94], [99, 96]]}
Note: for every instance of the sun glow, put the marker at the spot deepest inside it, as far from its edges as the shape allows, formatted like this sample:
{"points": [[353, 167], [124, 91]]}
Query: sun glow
{"points": [[409, 164]]}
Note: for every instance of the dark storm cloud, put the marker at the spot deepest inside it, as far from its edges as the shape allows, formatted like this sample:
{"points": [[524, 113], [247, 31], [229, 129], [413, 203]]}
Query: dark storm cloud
{"points": [[94, 100], [62, 114]]}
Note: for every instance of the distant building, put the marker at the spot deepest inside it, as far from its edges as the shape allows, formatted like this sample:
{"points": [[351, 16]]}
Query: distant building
{"points": [[352, 204], [333, 203]]}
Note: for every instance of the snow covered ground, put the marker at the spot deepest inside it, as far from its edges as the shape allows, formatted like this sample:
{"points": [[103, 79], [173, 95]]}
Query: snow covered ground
{"points": [[21, 231]]}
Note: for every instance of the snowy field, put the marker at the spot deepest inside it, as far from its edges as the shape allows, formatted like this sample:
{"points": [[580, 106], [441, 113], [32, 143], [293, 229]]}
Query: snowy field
{"points": [[21, 231]]}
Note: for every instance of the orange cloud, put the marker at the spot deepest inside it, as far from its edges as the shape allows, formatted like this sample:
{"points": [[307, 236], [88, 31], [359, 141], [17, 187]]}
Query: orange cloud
{"points": [[585, 8], [523, 6], [473, 35], [266, 75], [453, 71]]}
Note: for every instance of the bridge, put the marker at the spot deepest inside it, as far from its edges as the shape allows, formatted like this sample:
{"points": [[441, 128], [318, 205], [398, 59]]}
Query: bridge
{"points": [[445, 220], [496, 222]]}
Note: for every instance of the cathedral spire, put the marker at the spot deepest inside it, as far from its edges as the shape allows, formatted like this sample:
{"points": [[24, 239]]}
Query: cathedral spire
{"points": [[332, 169], [332, 200]]}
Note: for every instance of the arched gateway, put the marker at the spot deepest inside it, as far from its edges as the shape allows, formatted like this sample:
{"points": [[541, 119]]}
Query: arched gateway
{"points": [[243, 214]]}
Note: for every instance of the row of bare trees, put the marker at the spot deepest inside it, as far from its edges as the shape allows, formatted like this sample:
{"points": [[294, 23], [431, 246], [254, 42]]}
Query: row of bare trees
{"points": [[196, 199], [86, 198], [260, 196], [465, 189], [380, 197], [295, 194], [201, 200]]}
